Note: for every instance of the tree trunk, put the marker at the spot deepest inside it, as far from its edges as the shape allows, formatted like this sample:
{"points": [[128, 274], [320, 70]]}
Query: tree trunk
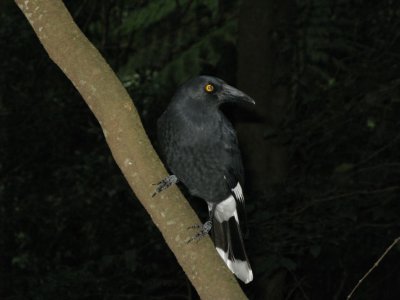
{"points": [[130, 147], [264, 73]]}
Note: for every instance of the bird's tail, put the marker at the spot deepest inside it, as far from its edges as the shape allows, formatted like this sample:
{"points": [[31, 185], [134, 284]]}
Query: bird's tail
{"points": [[228, 240]]}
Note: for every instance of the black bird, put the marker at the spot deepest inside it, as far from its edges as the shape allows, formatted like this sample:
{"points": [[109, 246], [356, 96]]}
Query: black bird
{"points": [[199, 146]]}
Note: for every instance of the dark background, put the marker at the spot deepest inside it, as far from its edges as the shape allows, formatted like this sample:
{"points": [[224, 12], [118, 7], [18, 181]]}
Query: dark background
{"points": [[321, 147]]}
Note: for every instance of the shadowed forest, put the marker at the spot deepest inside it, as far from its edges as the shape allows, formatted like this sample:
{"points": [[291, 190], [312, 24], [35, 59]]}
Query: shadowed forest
{"points": [[320, 148]]}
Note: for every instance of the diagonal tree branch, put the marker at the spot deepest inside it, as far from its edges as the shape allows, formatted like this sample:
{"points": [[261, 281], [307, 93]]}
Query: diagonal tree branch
{"points": [[129, 144]]}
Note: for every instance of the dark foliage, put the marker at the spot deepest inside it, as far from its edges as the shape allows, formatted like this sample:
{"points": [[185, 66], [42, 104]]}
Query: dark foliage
{"points": [[70, 228]]}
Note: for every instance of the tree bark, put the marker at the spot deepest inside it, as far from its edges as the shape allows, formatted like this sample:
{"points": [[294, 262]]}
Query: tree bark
{"points": [[264, 73], [129, 144]]}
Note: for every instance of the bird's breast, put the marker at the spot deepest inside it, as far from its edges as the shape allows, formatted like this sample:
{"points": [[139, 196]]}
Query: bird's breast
{"points": [[197, 152]]}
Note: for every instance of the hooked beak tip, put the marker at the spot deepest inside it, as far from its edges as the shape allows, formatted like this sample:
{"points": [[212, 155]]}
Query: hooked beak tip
{"points": [[248, 99], [236, 95]]}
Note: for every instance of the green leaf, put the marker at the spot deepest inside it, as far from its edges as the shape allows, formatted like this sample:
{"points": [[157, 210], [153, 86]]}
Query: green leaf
{"points": [[344, 167], [371, 123]]}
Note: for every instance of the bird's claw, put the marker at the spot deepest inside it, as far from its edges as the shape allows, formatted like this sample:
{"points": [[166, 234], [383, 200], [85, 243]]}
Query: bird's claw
{"points": [[204, 230], [164, 184]]}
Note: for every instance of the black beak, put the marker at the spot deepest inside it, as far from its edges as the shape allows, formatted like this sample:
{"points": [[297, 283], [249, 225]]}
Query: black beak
{"points": [[230, 94]]}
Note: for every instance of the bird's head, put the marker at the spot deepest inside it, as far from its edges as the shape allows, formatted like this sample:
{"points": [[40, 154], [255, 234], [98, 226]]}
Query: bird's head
{"points": [[211, 91]]}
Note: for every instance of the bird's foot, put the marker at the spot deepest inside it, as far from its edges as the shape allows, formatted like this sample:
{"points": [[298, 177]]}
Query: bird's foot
{"points": [[204, 230], [165, 183]]}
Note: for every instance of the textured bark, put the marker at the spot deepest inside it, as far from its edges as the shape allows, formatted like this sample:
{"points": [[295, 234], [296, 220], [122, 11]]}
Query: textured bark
{"points": [[129, 144], [264, 73]]}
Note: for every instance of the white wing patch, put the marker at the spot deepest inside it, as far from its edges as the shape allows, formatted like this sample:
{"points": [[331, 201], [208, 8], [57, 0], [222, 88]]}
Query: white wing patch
{"points": [[226, 209], [237, 190]]}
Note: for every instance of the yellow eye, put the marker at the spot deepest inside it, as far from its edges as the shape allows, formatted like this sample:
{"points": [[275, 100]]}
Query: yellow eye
{"points": [[209, 88]]}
